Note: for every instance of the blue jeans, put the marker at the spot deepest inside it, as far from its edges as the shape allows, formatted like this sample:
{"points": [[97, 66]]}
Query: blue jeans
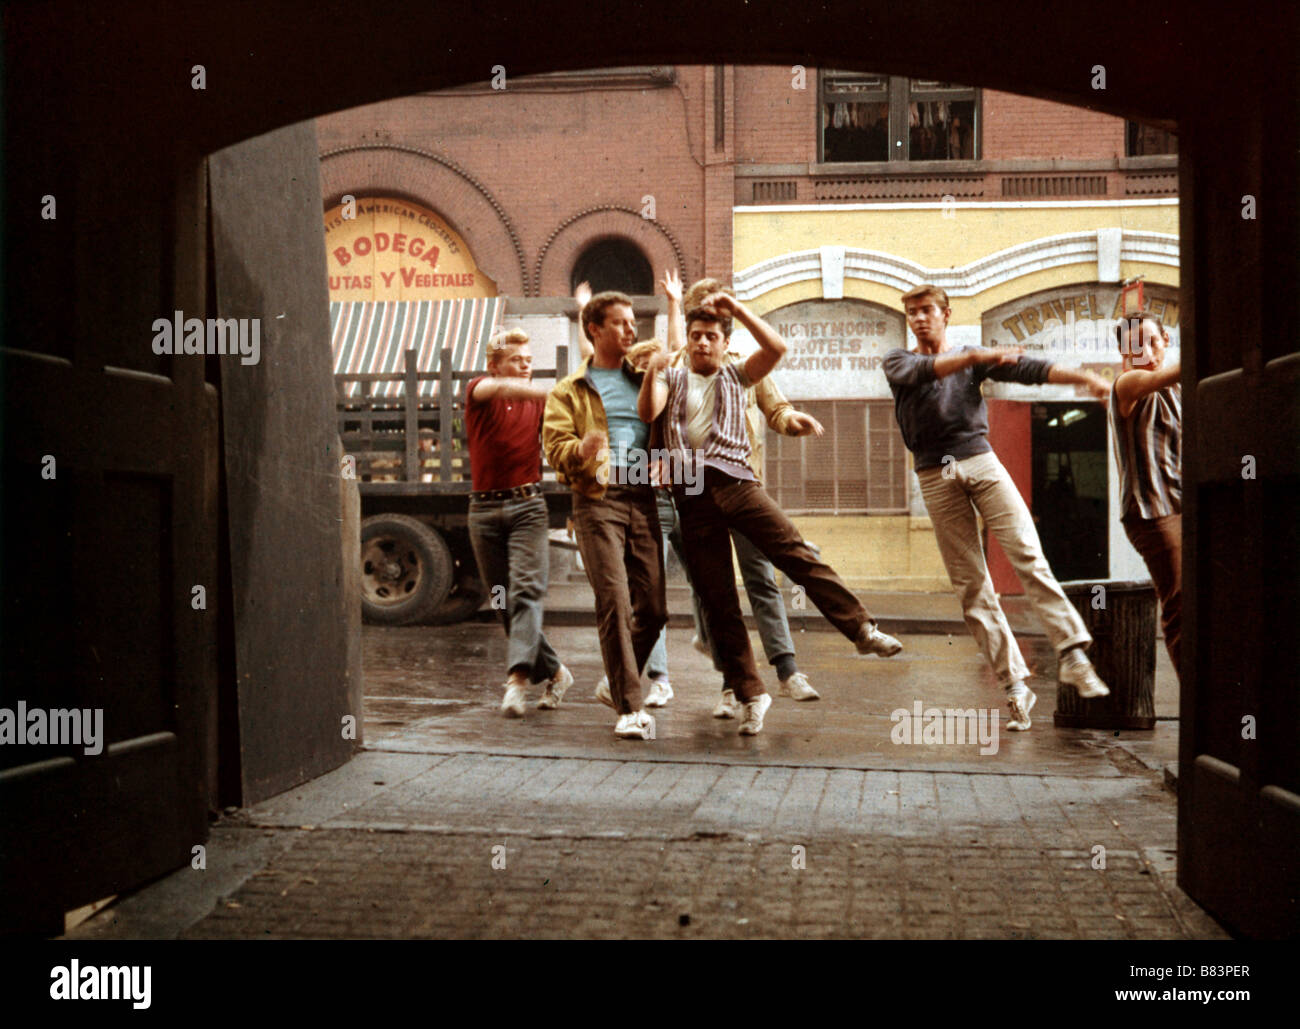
{"points": [[657, 665], [759, 577], [510, 544]]}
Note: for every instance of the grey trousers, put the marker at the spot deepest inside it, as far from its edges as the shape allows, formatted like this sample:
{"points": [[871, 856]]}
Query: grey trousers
{"points": [[510, 545]]}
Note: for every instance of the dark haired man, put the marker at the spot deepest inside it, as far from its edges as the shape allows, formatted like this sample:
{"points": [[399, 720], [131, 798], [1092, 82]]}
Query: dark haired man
{"points": [[940, 410], [705, 429], [1146, 411], [765, 404], [590, 424]]}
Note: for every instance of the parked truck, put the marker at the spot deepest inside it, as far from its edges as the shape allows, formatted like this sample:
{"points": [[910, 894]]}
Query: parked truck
{"points": [[403, 437]]}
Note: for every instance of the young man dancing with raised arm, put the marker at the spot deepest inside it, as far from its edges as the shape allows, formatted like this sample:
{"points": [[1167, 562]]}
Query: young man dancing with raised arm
{"points": [[507, 513], [764, 403], [1146, 411], [944, 422], [705, 428]]}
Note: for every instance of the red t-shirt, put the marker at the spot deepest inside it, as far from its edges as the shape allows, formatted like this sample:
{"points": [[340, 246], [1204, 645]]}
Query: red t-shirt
{"points": [[505, 445]]}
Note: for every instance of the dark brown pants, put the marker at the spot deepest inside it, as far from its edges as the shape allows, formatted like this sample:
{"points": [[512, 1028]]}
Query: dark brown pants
{"points": [[1160, 542], [707, 519], [623, 554]]}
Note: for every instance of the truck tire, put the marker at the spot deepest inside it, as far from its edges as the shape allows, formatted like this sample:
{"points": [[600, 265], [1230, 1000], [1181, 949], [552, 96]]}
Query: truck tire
{"points": [[406, 570], [466, 597]]}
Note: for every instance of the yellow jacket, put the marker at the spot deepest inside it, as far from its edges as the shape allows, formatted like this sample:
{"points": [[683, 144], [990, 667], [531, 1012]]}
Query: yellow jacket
{"points": [[573, 409], [762, 401]]}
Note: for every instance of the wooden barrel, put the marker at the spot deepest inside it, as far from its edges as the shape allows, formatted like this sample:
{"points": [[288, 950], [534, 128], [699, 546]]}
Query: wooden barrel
{"points": [[1122, 619]]}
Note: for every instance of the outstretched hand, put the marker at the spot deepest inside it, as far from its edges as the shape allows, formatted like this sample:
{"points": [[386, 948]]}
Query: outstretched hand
{"points": [[1098, 387], [805, 425], [582, 293]]}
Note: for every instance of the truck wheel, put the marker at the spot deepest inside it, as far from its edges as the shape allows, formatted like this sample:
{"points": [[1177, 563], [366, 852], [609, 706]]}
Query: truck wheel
{"points": [[466, 597], [406, 570]]}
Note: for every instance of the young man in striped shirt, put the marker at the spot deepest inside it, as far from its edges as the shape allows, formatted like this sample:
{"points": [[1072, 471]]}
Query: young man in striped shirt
{"points": [[1146, 411], [944, 422], [705, 428]]}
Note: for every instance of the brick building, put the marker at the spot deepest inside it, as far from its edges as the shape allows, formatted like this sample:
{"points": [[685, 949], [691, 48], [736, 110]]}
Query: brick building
{"points": [[821, 195]]}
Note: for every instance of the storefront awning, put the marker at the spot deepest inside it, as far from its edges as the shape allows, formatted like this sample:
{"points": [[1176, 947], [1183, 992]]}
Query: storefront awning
{"points": [[372, 336]]}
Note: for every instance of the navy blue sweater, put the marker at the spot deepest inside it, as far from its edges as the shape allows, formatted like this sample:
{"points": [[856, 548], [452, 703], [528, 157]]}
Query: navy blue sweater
{"points": [[943, 417]]}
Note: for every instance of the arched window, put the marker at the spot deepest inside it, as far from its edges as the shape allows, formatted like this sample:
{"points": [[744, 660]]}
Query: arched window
{"points": [[614, 264]]}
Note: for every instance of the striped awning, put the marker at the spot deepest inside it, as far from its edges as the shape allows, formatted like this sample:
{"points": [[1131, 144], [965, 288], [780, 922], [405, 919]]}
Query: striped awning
{"points": [[370, 336]]}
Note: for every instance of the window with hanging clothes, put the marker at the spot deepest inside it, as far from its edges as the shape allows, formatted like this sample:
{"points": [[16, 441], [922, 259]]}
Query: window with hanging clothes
{"points": [[872, 117], [858, 467]]}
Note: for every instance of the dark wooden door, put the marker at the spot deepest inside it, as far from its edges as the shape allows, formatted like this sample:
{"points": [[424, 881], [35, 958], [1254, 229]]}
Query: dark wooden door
{"points": [[1239, 768], [110, 523]]}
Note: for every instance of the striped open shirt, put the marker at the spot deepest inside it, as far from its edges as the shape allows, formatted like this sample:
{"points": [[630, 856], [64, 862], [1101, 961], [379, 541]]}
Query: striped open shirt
{"points": [[1149, 451], [727, 446]]}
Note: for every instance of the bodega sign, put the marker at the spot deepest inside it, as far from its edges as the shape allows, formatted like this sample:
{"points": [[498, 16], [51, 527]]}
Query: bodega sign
{"points": [[384, 249]]}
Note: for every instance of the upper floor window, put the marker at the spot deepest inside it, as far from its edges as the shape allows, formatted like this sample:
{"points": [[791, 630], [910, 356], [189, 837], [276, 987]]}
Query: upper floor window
{"points": [[1144, 140], [870, 117]]}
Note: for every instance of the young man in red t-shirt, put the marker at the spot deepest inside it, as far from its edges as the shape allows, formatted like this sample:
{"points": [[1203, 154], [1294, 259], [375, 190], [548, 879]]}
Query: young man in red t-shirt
{"points": [[507, 513]]}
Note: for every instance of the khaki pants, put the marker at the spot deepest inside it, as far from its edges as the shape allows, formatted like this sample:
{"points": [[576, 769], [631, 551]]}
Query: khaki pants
{"points": [[952, 496]]}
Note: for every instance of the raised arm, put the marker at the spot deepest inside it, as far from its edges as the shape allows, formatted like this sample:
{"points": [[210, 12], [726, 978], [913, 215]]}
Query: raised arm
{"points": [[1137, 383], [653, 397], [771, 347], [582, 294], [676, 334]]}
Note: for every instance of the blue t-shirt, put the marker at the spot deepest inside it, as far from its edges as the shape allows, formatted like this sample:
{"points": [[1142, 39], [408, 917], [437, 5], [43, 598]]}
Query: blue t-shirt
{"points": [[618, 393]]}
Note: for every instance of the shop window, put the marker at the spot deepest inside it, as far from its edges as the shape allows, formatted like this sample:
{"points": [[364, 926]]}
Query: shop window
{"points": [[614, 264], [871, 117], [858, 467], [1144, 140]]}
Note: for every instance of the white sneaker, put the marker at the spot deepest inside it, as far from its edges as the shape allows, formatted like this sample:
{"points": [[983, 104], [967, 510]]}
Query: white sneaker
{"points": [[728, 706], [797, 687], [1021, 700], [1077, 670], [752, 724], [555, 689], [661, 691], [603, 694], [636, 726], [512, 704], [871, 640], [699, 645]]}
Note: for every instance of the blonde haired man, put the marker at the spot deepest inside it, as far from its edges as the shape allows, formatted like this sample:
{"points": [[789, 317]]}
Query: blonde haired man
{"points": [[507, 514]]}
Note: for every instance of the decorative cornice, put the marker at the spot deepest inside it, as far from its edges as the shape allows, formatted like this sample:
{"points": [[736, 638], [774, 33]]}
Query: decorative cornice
{"points": [[968, 280]]}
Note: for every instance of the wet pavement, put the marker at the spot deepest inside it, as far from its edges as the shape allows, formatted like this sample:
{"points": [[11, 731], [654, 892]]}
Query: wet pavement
{"points": [[412, 707], [457, 822]]}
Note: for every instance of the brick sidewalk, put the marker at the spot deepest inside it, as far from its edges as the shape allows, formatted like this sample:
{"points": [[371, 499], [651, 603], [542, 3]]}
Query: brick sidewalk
{"points": [[399, 845]]}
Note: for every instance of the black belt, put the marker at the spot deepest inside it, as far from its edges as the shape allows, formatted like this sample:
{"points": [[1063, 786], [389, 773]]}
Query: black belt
{"points": [[533, 489]]}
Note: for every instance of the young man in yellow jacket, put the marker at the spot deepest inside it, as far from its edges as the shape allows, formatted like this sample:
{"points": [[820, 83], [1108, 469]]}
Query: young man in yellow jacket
{"points": [[589, 427]]}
